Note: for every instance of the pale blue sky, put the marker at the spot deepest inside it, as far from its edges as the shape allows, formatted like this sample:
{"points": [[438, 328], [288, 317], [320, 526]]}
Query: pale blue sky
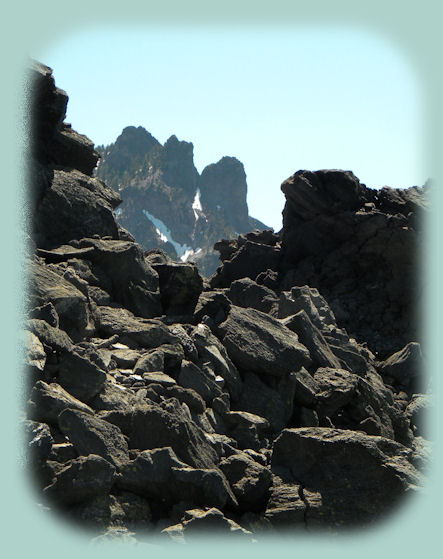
{"points": [[278, 99]]}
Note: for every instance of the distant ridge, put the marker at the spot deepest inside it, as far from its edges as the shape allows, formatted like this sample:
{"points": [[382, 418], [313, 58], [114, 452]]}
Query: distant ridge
{"points": [[167, 204]]}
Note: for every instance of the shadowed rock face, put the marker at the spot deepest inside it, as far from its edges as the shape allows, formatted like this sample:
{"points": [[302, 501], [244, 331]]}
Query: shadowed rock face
{"points": [[359, 247], [285, 392], [330, 461], [223, 187], [167, 204]]}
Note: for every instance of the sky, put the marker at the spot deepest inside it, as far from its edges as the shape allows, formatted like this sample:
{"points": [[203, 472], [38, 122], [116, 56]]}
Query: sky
{"points": [[280, 99]]}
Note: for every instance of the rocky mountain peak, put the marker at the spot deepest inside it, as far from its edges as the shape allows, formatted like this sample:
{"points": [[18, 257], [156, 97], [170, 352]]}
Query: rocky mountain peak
{"points": [[223, 188], [135, 141], [167, 204], [177, 165]]}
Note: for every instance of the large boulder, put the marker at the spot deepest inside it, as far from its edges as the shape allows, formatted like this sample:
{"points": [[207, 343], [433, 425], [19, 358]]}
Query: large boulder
{"points": [[260, 343], [249, 480], [72, 306], [35, 356], [159, 474], [134, 283], [212, 304], [312, 338], [364, 404], [72, 149], [150, 425], [54, 142], [132, 330], [92, 435], [122, 513], [308, 299], [39, 440], [81, 373], [405, 368], [310, 194], [248, 262], [74, 206], [81, 479], [248, 294], [47, 401], [331, 462], [53, 339], [286, 506], [48, 110], [247, 429]]}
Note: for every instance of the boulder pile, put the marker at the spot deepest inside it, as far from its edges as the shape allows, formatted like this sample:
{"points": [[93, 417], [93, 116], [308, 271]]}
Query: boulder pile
{"points": [[285, 393]]}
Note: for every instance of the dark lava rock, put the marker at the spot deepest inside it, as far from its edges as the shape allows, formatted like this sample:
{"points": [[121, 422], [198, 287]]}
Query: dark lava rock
{"points": [[310, 194], [417, 411], [134, 283], [249, 480], [359, 248], [75, 206], [160, 474], [215, 357], [192, 377], [190, 397], [213, 304], [312, 338], [248, 294], [39, 440], [47, 401], [80, 375], [260, 343], [405, 367], [125, 511], [72, 149], [307, 299], [251, 260], [248, 429], [151, 426], [47, 313], [72, 306], [83, 478], [48, 110], [91, 435], [131, 329], [52, 338], [286, 506], [330, 461], [35, 358]]}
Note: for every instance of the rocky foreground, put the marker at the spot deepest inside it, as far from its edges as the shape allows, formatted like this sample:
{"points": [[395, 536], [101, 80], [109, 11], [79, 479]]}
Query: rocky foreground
{"points": [[285, 393]]}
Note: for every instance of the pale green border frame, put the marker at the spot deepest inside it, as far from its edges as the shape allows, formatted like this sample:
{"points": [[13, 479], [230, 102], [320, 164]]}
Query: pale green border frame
{"points": [[414, 28]]}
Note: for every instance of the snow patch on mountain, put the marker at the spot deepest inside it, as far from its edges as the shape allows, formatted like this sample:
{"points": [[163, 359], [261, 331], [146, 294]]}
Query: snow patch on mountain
{"points": [[183, 251], [196, 206]]}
